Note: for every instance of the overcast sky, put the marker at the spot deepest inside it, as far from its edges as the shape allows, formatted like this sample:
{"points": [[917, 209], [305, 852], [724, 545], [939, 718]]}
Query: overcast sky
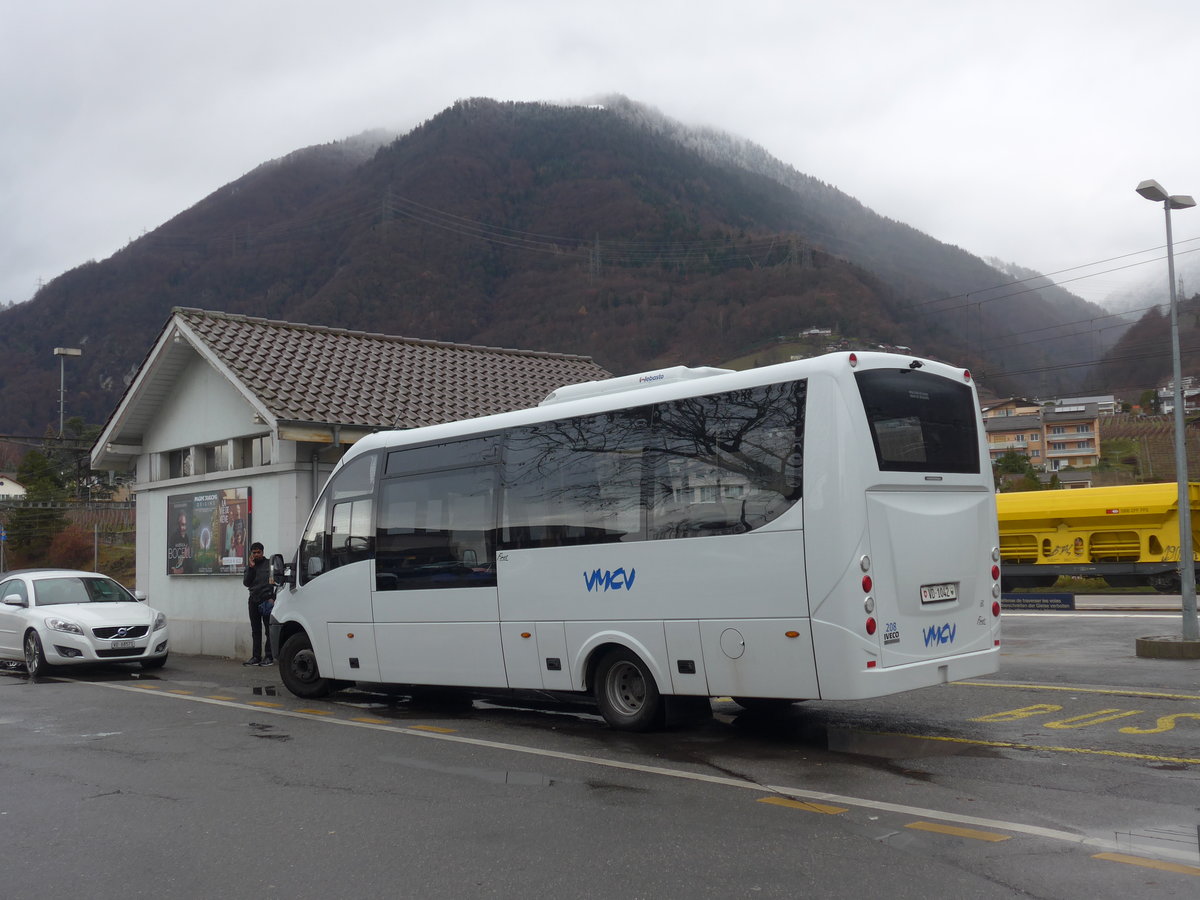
{"points": [[1012, 129]]}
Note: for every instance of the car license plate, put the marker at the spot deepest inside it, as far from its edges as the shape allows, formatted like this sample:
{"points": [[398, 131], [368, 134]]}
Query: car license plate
{"points": [[934, 593], [129, 645]]}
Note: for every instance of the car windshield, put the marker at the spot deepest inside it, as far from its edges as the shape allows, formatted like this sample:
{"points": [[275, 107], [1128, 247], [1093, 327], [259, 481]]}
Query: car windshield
{"points": [[74, 589]]}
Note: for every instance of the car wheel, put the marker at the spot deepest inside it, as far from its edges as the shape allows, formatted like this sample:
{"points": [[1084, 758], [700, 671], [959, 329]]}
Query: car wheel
{"points": [[156, 663], [299, 671], [626, 693], [35, 656]]}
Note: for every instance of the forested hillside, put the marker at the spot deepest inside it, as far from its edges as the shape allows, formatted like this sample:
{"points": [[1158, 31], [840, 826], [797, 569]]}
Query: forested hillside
{"points": [[607, 231]]}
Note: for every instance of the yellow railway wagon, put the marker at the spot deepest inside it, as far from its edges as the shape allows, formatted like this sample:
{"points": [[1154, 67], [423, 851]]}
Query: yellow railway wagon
{"points": [[1127, 535]]}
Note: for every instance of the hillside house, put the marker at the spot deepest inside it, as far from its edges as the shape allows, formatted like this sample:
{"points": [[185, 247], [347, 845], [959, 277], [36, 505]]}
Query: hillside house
{"points": [[10, 488], [232, 424]]}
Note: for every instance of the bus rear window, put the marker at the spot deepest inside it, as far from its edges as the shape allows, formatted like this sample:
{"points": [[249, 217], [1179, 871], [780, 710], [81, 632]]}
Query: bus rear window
{"points": [[920, 422]]}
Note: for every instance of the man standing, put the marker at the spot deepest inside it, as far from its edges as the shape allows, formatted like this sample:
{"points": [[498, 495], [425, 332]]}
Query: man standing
{"points": [[261, 582]]}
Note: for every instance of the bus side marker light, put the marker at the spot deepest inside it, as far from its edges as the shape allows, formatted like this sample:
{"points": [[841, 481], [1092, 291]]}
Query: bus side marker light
{"points": [[350, 635], [792, 634], [853, 360], [871, 625], [871, 663], [966, 374], [526, 634]]}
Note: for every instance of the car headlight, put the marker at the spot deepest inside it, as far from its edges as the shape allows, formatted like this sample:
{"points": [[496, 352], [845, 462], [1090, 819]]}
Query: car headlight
{"points": [[63, 625], [160, 621]]}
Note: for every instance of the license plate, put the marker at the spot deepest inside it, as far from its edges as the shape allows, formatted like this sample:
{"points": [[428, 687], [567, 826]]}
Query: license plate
{"points": [[934, 593], [129, 645]]}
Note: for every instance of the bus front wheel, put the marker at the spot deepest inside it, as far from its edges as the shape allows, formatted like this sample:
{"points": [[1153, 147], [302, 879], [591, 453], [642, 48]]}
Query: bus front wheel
{"points": [[299, 671], [626, 693]]}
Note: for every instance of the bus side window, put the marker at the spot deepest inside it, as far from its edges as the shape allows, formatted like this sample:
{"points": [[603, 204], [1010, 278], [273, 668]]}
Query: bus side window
{"points": [[312, 545], [437, 530]]}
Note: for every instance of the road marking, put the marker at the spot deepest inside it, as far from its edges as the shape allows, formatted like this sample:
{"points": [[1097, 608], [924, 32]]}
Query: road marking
{"points": [[1011, 715], [267, 704], [972, 833], [1165, 723], [807, 807], [1093, 718], [177, 691], [318, 712], [823, 797], [1010, 745], [1058, 687], [1148, 863], [434, 728]]}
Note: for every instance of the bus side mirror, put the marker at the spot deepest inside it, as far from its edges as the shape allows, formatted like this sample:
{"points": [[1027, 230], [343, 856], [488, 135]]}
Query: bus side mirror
{"points": [[279, 572]]}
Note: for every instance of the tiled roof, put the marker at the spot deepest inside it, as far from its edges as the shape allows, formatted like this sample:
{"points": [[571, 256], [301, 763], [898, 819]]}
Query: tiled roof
{"points": [[306, 373]]}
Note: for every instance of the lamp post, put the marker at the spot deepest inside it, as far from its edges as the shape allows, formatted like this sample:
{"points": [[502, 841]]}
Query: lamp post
{"points": [[62, 353], [1152, 190]]}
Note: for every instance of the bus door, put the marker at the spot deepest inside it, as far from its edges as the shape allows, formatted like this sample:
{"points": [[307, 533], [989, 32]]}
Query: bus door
{"points": [[435, 603], [335, 574]]}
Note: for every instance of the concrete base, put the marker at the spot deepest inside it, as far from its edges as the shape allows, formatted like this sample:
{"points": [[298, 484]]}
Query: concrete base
{"points": [[1167, 646]]}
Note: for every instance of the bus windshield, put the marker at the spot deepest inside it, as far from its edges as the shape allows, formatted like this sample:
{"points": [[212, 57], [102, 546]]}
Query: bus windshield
{"points": [[920, 422]]}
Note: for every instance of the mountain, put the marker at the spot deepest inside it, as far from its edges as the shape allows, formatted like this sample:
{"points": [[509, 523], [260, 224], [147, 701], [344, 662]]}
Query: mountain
{"points": [[1141, 360], [607, 230]]}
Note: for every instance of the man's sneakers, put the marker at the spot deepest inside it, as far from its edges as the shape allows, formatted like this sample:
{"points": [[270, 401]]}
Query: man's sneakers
{"points": [[253, 661], [267, 661]]}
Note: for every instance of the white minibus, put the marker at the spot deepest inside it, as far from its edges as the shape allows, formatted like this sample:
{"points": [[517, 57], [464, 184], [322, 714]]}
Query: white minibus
{"points": [[819, 529]]}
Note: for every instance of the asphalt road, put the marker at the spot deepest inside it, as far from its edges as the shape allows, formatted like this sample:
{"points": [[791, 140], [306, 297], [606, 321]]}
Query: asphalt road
{"points": [[1074, 772]]}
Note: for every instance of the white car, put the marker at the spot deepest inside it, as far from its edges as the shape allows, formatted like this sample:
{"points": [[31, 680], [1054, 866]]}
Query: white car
{"points": [[59, 617]]}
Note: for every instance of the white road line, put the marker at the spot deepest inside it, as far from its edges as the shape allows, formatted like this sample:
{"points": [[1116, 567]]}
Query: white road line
{"points": [[1053, 834], [1088, 615]]}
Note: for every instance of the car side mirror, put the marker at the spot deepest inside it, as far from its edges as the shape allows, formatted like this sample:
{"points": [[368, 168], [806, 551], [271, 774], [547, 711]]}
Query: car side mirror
{"points": [[139, 595], [15, 600]]}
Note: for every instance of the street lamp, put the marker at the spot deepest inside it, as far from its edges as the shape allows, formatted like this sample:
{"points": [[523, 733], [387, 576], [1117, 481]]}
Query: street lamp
{"points": [[62, 353], [1152, 190]]}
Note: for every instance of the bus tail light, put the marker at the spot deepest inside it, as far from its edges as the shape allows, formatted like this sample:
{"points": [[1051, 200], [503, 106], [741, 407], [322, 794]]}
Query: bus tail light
{"points": [[867, 584], [966, 374], [871, 625], [995, 607], [995, 573]]}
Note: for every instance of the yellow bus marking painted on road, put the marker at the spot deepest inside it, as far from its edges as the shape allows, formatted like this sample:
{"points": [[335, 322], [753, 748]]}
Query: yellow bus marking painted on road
{"points": [[1058, 687], [973, 833], [220, 697], [366, 721], [1011, 715], [434, 728], [1092, 718], [267, 704], [177, 691], [1010, 745], [806, 806], [1180, 868], [146, 687], [316, 712], [1165, 723]]}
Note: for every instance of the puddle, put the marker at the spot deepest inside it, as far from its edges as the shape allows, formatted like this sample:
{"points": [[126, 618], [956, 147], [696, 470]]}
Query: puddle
{"points": [[900, 746], [1175, 841], [491, 776]]}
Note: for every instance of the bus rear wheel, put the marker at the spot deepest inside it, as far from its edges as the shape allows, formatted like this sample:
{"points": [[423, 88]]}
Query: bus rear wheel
{"points": [[299, 671], [626, 693]]}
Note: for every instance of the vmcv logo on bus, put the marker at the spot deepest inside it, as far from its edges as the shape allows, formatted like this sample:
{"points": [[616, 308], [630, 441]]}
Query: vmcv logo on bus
{"points": [[940, 634], [609, 579]]}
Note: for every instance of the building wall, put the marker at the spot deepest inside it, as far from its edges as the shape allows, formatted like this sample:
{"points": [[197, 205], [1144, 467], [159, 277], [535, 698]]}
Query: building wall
{"points": [[207, 613]]}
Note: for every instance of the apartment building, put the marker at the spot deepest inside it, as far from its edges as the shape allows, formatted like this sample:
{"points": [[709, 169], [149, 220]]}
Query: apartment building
{"points": [[1055, 436]]}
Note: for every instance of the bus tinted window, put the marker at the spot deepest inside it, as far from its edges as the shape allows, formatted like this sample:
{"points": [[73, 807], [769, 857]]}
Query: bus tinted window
{"points": [[920, 422], [576, 481], [727, 463], [437, 531], [443, 456]]}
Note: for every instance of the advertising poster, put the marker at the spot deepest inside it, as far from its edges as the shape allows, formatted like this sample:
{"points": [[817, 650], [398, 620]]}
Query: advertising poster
{"points": [[208, 533]]}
